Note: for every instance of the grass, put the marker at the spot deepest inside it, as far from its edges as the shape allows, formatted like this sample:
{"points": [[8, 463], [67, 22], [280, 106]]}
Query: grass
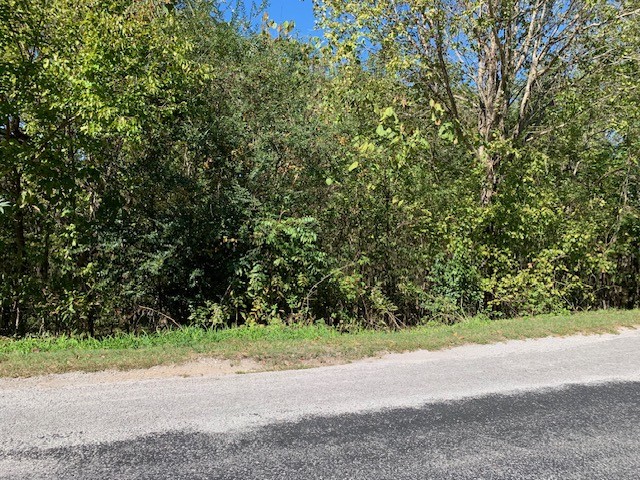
{"points": [[278, 347]]}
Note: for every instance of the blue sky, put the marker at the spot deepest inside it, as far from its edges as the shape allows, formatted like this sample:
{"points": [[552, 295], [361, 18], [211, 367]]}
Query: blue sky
{"points": [[300, 11]]}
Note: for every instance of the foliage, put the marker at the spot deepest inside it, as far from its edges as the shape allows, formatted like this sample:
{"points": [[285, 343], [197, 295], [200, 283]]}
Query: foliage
{"points": [[276, 277], [169, 163]]}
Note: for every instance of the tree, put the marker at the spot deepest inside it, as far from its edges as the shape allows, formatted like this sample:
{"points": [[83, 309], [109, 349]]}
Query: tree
{"points": [[495, 66], [77, 78]]}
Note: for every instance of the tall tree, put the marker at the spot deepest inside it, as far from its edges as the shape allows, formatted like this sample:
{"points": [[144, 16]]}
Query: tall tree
{"points": [[495, 66]]}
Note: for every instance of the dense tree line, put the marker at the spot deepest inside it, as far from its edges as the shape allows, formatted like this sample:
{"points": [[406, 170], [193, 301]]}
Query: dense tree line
{"points": [[169, 163]]}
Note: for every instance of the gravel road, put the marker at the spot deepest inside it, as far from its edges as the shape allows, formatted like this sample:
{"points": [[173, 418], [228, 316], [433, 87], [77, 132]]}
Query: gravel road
{"points": [[549, 408]]}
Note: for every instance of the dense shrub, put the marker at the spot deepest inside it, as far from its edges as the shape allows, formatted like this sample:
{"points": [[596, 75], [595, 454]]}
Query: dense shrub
{"points": [[164, 163]]}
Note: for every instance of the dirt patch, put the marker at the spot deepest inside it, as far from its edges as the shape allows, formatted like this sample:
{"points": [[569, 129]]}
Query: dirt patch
{"points": [[203, 367]]}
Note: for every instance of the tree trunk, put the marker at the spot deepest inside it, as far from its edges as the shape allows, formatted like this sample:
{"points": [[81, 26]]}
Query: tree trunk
{"points": [[490, 162], [19, 235], [21, 268], [14, 134]]}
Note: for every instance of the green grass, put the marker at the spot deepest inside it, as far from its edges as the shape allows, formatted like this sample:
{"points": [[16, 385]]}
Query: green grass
{"points": [[278, 347]]}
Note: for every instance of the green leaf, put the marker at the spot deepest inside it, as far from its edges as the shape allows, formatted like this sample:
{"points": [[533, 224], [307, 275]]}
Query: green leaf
{"points": [[354, 165], [388, 113]]}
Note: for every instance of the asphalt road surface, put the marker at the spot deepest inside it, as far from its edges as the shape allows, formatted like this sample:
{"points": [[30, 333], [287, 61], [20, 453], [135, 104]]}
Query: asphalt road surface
{"points": [[552, 408]]}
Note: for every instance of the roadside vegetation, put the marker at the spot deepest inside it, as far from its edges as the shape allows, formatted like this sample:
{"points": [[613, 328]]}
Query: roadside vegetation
{"points": [[190, 165], [283, 347]]}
